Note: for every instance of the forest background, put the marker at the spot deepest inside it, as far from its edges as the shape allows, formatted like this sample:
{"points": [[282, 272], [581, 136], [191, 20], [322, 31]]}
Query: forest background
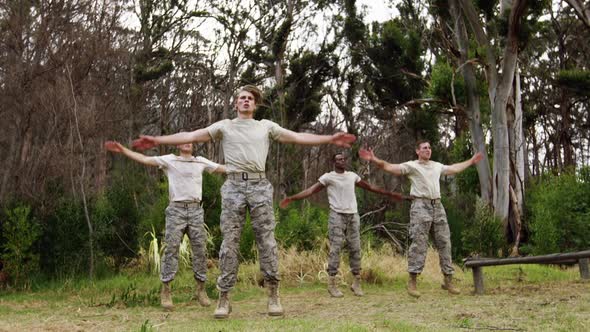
{"points": [[509, 78]]}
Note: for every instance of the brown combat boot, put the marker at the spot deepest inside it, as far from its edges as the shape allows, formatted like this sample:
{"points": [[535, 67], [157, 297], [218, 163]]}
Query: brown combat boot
{"points": [[412, 289], [356, 286], [201, 294], [333, 287], [166, 297], [449, 286], [223, 306], [274, 302]]}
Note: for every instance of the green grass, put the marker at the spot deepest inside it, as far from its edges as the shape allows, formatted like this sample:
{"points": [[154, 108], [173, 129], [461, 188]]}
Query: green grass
{"points": [[518, 297]]}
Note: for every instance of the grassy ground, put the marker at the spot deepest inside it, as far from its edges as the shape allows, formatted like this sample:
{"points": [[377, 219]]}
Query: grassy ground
{"points": [[518, 298]]}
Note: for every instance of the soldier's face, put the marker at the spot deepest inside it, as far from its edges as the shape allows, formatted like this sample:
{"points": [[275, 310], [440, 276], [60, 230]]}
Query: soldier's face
{"points": [[340, 161], [424, 152], [185, 148], [245, 102]]}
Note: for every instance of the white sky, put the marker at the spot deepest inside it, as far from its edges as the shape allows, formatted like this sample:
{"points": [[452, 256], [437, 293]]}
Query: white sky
{"points": [[377, 10]]}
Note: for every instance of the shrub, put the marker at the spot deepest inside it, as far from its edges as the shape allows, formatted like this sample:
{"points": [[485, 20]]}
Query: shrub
{"points": [[65, 240], [559, 208], [302, 227], [19, 232], [483, 235]]}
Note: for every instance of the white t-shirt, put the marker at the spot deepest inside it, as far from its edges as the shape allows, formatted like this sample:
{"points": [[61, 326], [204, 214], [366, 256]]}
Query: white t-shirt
{"points": [[340, 186], [185, 176], [245, 142], [425, 177]]}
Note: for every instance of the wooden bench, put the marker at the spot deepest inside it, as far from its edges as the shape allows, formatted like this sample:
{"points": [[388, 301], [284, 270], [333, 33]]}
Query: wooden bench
{"points": [[582, 258]]}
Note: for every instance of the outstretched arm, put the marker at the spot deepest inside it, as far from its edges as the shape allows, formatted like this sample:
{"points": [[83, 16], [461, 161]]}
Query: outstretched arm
{"points": [[145, 142], [317, 187], [116, 147], [369, 155], [460, 167], [391, 194], [339, 139], [220, 169]]}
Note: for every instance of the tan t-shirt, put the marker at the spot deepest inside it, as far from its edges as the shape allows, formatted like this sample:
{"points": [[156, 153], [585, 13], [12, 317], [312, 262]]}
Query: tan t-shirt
{"points": [[340, 186], [185, 176], [245, 142], [425, 177]]}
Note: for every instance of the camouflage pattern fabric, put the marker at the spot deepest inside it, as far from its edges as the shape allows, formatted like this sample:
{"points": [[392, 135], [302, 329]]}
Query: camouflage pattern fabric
{"points": [[426, 217], [238, 196], [181, 220], [341, 227]]}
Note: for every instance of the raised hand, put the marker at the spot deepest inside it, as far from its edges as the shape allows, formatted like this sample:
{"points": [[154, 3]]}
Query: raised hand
{"points": [[476, 158], [113, 146], [343, 139], [284, 203], [367, 154], [144, 142]]}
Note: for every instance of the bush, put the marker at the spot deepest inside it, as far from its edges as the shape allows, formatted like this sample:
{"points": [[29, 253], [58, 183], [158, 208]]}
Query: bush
{"points": [[559, 208], [302, 227], [19, 233], [65, 240], [459, 210], [483, 235]]}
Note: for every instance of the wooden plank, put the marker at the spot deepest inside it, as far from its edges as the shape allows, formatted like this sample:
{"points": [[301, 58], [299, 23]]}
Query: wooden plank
{"points": [[583, 265], [544, 259], [478, 280]]}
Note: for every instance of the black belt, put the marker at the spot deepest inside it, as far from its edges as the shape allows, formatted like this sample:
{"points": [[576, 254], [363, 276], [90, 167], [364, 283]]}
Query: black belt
{"points": [[432, 201], [245, 176], [186, 205]]}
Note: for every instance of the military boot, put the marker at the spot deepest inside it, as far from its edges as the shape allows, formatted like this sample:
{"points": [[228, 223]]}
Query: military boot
{"points": [[333, 287], [166, 297], [223, 306], [356, 286], [201, 294], [274, 302], [412, 289], [449, 286]]}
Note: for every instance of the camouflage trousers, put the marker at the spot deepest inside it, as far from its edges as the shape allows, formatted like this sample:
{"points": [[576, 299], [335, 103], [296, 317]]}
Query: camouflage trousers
{"points": [[181, 220], [341, 227], [429, 217], [237, 196]]}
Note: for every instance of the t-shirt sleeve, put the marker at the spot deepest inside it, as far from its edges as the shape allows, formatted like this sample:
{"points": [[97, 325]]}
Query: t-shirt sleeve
{"points": [[274, 129], [163, 161], [443, 168], [210, 166], [357, 178], [324, 179], [215, 130], [405, 168]]}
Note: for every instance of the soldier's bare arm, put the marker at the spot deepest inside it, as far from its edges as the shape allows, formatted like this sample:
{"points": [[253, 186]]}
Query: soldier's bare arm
{"points": [[198, 136], [317, 187], [116, 147], [460, 167], [339, 139], [369, 155], [391, 194]]}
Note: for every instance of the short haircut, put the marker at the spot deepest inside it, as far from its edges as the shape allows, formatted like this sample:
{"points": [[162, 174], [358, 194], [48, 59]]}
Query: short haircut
{"points": [[420, 142], [254, 90], [337, 154]]}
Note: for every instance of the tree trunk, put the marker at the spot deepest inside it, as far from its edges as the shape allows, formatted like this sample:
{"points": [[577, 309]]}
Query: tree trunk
{"points": [[499, 88], [473, 112]]}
